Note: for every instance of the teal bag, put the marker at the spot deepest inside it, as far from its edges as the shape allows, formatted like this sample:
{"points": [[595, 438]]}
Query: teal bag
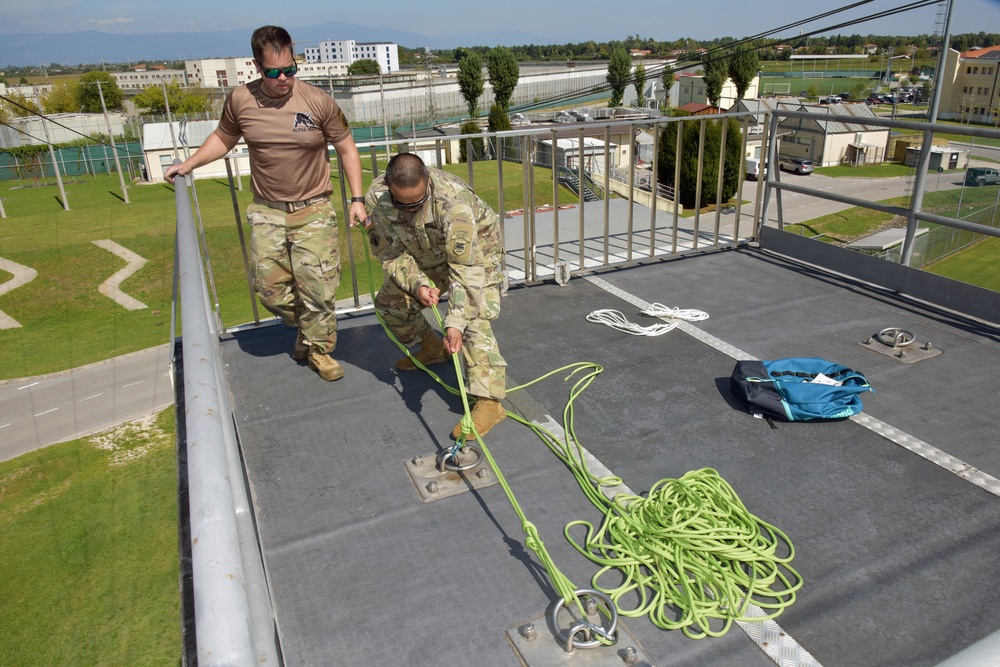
{"points": [[799, 389]]}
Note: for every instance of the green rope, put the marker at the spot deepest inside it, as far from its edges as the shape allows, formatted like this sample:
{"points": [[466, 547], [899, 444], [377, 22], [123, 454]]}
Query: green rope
{"points": [[563, 586], [689, 552]]}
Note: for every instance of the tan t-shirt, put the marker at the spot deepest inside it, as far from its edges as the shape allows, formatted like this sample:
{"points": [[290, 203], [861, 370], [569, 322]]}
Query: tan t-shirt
{"points": [[287, 138]]}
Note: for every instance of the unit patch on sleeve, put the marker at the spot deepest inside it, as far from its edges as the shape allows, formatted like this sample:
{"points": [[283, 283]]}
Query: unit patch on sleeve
{"points": [[461, 237]]}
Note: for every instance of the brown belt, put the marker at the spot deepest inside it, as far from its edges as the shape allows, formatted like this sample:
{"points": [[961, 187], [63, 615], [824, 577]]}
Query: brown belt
{"points": [[290, 206]]}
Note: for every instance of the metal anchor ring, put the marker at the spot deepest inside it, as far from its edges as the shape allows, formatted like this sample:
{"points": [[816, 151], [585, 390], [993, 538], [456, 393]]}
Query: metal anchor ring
{"points": [[895, 337], [444, 456], [568, 637]]}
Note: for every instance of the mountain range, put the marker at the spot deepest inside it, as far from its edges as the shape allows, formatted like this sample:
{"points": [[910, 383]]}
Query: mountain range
{"points": [[28, 49]]}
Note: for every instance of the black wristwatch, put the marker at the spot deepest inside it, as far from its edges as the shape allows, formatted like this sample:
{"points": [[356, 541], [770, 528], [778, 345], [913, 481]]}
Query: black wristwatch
{"points": [[360, 200]]}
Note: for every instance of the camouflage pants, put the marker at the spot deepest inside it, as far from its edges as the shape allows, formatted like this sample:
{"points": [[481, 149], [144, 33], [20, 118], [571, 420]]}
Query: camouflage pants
{"points": [[296, 262], [485, 368]]}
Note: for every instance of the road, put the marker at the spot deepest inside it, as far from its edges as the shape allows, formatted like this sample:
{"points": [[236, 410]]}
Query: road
{"points": [[40, 411]]}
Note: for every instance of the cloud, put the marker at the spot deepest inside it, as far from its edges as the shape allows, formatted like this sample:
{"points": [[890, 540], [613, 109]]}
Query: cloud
{"points": [[109, 23]]}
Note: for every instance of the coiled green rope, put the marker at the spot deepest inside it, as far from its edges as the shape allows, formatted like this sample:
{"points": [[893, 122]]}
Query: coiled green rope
{"points": [[688, 553]]}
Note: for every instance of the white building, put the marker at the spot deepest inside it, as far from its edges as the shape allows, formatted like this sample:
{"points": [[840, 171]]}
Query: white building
{"points": [[232, 72], [386, 54], [144, 77], [162, 143]]}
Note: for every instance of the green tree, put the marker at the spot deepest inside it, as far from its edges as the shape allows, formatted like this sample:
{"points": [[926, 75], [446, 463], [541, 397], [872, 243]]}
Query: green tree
{"points": [[742, 68], [503, 73], [498, 119], [619, 74], [89, 98], [715, 70], [813, 92], [687, 190], [20, 106], [61, 98], [182, 100], [470, 81], [639, 81], [363, 67], [667, 78], [478, 147]]}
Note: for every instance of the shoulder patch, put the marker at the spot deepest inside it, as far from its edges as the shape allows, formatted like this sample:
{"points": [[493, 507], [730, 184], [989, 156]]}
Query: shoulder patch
{"points": [[461, 238]]}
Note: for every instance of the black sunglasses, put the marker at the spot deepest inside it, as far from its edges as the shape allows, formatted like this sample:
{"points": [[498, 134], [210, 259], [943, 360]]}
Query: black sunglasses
{"points": [[275, 72], [412, 206]]}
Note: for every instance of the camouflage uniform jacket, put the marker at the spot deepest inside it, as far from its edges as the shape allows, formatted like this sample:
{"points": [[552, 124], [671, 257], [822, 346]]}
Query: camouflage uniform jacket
{"points": [[455, 227]]}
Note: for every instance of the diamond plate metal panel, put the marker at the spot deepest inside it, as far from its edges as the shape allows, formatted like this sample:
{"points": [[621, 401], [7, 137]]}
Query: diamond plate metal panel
{"points": [[775, 642]]}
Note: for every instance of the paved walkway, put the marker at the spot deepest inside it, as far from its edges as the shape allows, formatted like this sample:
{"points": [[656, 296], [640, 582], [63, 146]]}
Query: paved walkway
{"points": [[40, 411]]}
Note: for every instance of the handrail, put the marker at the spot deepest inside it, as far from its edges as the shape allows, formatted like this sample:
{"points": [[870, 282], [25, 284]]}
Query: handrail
{"points": [[234, 620]]}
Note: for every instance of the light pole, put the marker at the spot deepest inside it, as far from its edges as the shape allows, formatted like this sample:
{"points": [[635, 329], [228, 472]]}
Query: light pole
{"points": [[385, 123], [52, 153], [114, 149]]}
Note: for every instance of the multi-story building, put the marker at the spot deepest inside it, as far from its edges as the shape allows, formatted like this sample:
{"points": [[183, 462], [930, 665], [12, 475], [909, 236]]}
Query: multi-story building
{"points": [[141, 76], [386, 54], [969, 83], [220, 72]]}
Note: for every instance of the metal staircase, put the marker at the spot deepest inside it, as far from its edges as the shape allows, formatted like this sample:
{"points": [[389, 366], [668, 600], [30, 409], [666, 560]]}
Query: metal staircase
{"points": [[569, 178]]}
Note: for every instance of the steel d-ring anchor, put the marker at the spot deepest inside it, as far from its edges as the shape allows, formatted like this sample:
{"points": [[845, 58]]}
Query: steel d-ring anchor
{"points": [[448, 459], [895, 337], [568, 637]]}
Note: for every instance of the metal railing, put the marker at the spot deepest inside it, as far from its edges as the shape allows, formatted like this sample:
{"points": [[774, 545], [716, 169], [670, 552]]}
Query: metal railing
{"points": [[233, 617]]}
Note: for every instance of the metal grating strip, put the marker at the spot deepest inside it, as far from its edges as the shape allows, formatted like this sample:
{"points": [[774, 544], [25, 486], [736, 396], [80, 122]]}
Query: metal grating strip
{"points": [[930, 452], [905, 440]]}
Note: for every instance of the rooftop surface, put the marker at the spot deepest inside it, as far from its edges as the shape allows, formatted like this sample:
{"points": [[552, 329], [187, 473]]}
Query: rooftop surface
{"points": [[893, 514]]}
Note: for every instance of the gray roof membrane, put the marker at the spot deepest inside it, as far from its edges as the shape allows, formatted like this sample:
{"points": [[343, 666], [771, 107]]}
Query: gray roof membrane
{"points": [[899, 556]]}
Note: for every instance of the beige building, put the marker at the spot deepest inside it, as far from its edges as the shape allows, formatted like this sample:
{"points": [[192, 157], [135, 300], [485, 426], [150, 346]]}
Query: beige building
{"points": [[691, 88], [834, 134], [969, 83]]}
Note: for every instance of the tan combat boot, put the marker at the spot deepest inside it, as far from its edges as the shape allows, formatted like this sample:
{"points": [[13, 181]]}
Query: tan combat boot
{"points": [[431, 352], [486, 413], [325, 365], [301, 349]]}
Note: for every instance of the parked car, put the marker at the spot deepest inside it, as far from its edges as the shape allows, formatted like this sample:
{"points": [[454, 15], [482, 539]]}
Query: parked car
{"points": [[754, 170], [982, 176], [796, 164]]}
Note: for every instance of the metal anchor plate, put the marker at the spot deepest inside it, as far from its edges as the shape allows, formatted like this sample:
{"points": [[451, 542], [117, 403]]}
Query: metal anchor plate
{"points": [[900, 345], [540, 648], [433, 484]]}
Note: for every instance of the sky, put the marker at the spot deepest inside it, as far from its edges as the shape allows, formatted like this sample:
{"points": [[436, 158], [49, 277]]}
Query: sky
{"points": [[543, 22]]}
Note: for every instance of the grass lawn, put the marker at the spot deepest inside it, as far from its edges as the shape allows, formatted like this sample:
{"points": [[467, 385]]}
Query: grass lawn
{"points": [[885, 170], [974, 265], [67, 323], [88, 533]]}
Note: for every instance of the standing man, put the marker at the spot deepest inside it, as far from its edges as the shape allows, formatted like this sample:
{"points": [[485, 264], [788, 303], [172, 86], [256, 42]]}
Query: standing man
{"points": [[433, 234], [287, 125]]}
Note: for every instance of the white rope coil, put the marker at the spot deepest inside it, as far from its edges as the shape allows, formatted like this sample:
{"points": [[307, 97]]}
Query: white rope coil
{"points": [[617, 321]]}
